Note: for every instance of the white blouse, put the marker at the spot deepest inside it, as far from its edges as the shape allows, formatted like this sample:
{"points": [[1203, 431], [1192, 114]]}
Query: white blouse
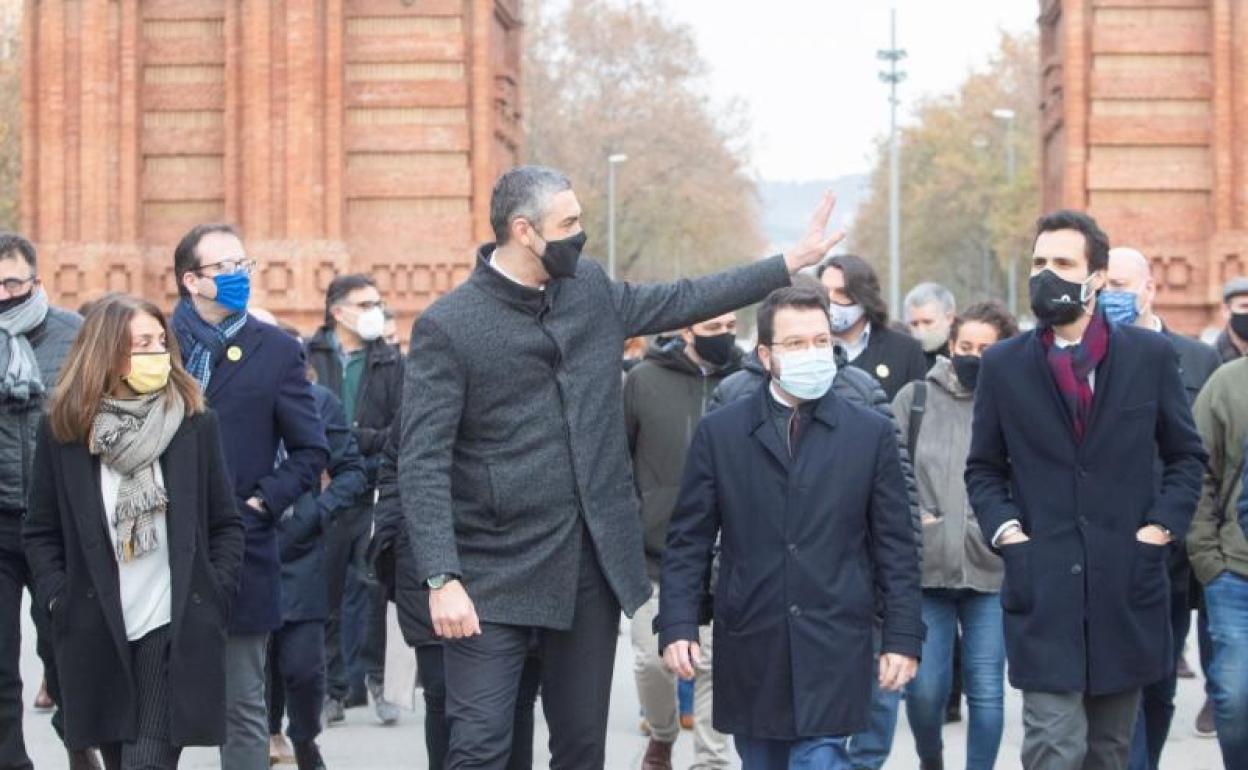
{"points": [[146, 583]]}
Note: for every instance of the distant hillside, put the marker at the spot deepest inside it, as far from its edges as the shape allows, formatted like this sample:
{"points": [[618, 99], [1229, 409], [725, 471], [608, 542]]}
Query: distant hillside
{"points": [[787, 205]]}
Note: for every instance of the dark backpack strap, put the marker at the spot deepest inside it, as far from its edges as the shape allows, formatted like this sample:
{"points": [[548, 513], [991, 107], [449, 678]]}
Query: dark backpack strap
{"points": [[917, 407]]}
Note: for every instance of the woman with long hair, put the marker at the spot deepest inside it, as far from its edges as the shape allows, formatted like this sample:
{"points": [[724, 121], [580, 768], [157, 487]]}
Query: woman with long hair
{"points": [[135, 542]]}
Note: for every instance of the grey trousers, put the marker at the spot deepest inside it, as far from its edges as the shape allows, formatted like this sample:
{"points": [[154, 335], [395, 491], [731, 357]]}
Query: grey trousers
{"points": [[246, 709], [1075, 731]]}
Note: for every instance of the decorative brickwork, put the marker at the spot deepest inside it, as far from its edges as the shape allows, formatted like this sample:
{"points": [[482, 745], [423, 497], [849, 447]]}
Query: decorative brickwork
{"points": [[1143, 101], [341, 135]]}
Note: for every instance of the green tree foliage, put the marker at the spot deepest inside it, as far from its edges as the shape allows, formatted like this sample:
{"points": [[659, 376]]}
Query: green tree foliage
{"points": [[961, 218]]}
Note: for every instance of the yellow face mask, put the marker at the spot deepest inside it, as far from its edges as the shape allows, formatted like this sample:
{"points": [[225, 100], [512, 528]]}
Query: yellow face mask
{"points": [[149, 372]]}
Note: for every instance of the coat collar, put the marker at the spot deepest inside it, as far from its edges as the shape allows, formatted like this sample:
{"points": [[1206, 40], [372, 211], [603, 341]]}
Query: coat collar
{"points": [[247, 342], [508, 291], [826, 411], [1100, 392]]}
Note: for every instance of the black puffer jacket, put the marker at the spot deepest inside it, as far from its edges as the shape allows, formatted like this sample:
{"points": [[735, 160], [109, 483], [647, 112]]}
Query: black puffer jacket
{"points": [[851, 384], [19, 420]]}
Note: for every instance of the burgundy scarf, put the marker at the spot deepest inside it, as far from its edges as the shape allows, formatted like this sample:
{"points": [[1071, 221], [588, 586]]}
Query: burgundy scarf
{"points": [[1072, 365]]}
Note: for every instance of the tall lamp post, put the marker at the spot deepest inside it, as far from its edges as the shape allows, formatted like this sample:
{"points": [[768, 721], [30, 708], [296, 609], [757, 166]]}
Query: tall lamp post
{"points": [[612, 162], [893, 76], [1008, 116]]}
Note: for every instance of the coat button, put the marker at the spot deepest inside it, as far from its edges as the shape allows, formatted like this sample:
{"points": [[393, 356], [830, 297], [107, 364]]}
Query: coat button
{"points": [[1077, 569], [90, 593], [195, 598], [794, 610], [792, 548], [1083, 520]]}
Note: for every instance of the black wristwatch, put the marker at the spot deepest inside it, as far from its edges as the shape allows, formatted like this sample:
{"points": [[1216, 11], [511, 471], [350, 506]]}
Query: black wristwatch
{"points": [[440, 580]]}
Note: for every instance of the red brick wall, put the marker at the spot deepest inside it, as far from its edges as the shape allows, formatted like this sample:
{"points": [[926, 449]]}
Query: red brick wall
{"points": [[341, 135], [1142, 102]]}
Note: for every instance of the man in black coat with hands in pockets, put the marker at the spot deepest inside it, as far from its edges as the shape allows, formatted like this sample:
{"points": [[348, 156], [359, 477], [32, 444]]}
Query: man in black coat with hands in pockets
{"points": [[1070, 419], [514, 467]]}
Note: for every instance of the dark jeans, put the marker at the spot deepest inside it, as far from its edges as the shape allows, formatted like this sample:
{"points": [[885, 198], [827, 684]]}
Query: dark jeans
{"points": [[15, 577], [297, 679], [483, 676], [344, 546], [372, 652], [432, 675], [869, 750], [980, 618], [801, 754], [1152, 726]]}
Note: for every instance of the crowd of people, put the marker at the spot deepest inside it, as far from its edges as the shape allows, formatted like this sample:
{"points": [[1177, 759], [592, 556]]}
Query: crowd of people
{"points": [[212, 512]]}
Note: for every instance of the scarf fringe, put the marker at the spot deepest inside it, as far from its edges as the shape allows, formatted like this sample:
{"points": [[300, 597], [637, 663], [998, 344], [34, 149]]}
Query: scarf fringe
{"points": [[137, 545]]}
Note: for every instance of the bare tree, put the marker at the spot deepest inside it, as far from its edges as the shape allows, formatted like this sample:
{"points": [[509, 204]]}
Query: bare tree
{"points": [[618, 76]]}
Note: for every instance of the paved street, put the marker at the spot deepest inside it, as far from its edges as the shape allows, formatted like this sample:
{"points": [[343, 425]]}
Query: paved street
{"points": [[363, 744]]}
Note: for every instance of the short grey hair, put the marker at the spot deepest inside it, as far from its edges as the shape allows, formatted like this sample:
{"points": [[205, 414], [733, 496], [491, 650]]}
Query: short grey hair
{"points": [[524, 192], [926, 294]]}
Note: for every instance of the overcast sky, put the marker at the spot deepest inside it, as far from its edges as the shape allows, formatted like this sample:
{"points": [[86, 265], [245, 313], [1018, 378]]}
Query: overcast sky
{"points": [[807, 69]]}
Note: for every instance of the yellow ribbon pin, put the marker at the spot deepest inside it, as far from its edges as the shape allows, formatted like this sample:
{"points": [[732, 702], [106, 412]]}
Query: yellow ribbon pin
{"points": [[234, 353]]}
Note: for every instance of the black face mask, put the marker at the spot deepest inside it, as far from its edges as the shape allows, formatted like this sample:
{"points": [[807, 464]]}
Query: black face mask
{"points": [[716, 349], [561, 257], [967, 370], [1054, 300], [12, 302], [1239, 325]]}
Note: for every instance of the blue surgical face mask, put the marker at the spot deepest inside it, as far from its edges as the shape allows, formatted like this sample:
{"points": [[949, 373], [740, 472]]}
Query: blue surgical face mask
{"points": [[1120, 306], [807, 375], [233, 290]]}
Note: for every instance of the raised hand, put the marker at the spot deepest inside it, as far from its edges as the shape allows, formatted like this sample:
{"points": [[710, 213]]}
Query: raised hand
{"points": [[815, 244]]}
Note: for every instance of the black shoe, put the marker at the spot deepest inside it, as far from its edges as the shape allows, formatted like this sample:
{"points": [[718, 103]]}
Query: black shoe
{"points": [[953, 714], [1182, 670], [84, 760], [334, 713], [1206, 727], [308, 756], [355, 699]]}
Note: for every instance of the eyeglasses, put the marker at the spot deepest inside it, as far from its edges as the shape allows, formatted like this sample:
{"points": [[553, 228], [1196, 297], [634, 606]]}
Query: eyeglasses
{"points": [[13, 285], [229, 266], [822, 342]]}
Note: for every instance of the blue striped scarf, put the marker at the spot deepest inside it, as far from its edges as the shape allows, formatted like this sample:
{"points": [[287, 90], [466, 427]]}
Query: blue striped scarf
{"points": [[203, 344]]}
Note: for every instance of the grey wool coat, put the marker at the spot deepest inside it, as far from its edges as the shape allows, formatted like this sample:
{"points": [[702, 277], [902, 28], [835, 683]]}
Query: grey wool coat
{"points": [[513, 443]]}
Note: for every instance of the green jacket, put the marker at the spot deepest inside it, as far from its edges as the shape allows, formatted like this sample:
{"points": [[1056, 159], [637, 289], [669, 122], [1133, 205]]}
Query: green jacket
{"points": [[665, 397], [1215, 543]]}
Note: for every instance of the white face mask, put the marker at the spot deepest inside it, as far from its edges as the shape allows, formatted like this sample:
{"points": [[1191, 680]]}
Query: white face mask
{"points": [[370, 324]]}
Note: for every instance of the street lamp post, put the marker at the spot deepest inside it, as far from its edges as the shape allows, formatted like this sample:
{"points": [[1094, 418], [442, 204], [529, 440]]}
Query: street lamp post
{"points": [[893, 76], [1007, 116], [612, 162]]}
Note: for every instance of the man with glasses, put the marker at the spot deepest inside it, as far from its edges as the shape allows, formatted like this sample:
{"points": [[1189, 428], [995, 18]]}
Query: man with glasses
{"points": [[253, 376], [352, 358], [805, 494], [34, 340]]}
